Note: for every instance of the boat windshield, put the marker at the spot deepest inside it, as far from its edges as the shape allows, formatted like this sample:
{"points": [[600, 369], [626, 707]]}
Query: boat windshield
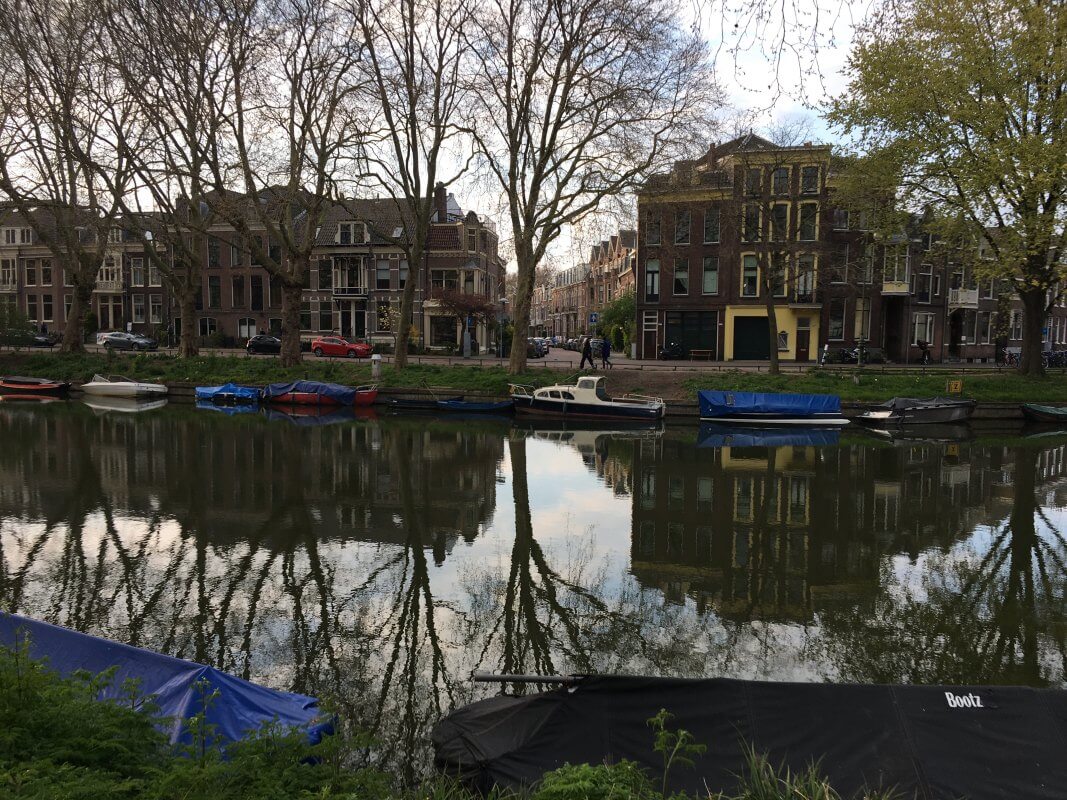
{"points": [[601, 392]]}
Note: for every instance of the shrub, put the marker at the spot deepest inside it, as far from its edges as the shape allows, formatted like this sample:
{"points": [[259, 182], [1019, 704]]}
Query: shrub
{"points": [[622, 781]]}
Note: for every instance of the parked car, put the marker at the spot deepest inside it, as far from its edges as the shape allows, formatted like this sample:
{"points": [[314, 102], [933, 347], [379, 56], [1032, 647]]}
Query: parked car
{"points": [[263, 343], [535, 349], [119, 340], [570, 344], [336, 346]]}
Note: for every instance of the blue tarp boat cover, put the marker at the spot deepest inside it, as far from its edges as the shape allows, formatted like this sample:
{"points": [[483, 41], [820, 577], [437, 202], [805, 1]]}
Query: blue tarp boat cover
{"points": [[727, 404], [173, 683], [228, 410], [229, 393], [344, 395], [717, 435]]}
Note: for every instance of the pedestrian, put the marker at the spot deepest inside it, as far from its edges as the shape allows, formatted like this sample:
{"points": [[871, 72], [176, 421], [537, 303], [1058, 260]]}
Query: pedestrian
{"points": [[605, 354], [587, 353]]}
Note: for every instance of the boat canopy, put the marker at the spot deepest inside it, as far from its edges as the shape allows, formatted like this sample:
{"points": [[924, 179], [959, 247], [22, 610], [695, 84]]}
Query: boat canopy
{"points": [[726, 404], [920, 741], [343, 395], [730, 435], [232, 391], [177, 687]]}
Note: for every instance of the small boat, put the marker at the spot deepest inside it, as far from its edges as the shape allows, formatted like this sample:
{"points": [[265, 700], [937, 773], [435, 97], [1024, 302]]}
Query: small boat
{"points": [[1036, 413], [118, 386], [420, 403], [40, 387], [124, 405], [716, 434], [228, 394], [765, 408], [461, 406], [914, 411], [316, 393], [586, 399], [232, 708]]}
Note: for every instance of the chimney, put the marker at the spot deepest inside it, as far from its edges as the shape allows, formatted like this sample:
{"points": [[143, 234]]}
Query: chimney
{"points": [[440, 201]]}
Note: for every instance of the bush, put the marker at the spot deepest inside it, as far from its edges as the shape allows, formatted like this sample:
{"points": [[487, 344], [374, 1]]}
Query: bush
{"points": [[622, 781]]}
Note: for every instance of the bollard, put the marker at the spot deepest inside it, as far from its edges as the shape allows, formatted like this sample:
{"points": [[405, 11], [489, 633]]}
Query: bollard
{"points": [[375, 366]]}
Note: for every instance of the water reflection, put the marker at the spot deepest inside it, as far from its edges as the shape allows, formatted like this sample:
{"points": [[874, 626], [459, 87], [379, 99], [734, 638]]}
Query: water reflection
{"points": [[380, 561]]}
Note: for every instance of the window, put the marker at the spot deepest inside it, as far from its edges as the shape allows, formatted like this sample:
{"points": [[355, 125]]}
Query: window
{"points": [[650, 323], [988, 290], [984, 328], [381, 273], [896, 264], [839, 265], [46, 308], [711, 275], [238, 291], [780, 180], [207, 326], [68, 301], [31, 307], [274, 252], [652, 232], [114, 235], [809, 213], [7, 272], [350, 233], [256, 290], [136, 272], [46, 272], [841, 219], [1016, 325], [153, 276], [652, 281], [805, 278], [214, 258], [779, 275], [325, 274], [783, 340], [779, 222], [214, 291], [752, 223], [711, 225], [403, 273], [138, 307], [863, 318], [472, 240], [10, 237], [444, 279], [681, 227], [305, 315], [749, 276], [325, 316], [922, 327], [681, 276], [866, 265], [809, 180], [31, 272], [155, 308], [836, 329], [752, 181]]}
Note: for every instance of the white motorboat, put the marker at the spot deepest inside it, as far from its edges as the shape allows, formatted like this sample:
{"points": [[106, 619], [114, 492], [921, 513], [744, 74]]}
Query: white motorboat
{"points": [[118, 386], [586, 399]]}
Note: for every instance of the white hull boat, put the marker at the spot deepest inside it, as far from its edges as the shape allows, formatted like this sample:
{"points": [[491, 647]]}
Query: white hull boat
{"points": [[126, 405], [117, 386]]}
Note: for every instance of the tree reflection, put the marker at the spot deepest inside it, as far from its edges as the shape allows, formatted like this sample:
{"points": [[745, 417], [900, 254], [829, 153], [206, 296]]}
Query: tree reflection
{"points": [[989, 611]]}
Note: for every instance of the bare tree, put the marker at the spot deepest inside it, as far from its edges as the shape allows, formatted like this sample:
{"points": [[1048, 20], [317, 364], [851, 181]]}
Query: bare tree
{"points": [[171, 57], [577, 100], [292, 133], [414, 56], [61, 114]]}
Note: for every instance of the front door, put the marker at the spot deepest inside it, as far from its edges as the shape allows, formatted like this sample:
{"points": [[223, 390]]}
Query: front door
{"points": [[803, 340]]}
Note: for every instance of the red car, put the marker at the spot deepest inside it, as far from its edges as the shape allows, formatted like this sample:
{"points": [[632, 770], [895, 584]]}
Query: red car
{"points": [[336, 346]]}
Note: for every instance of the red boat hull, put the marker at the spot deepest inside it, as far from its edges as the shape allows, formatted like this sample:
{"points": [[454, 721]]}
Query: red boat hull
{"points": [[33, 386], [364, 398]]}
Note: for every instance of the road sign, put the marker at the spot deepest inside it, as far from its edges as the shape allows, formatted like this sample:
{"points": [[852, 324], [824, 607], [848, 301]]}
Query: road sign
{"points": [[954, 387], [594, 318]]}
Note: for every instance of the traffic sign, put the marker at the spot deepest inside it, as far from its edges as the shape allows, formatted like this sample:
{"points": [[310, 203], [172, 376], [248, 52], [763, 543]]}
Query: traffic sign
{"points": [[594, 318]]}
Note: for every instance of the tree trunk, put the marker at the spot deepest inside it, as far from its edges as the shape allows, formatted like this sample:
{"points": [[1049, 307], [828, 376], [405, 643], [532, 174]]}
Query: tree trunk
{"points": [[188, 346], [292, 297], [524, 286], [1033, 322], [407, 309], [74, 331], [772, 333]]}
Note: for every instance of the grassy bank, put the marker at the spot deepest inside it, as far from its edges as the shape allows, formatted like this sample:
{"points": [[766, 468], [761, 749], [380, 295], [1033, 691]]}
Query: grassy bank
{"points": [[58, 741]]}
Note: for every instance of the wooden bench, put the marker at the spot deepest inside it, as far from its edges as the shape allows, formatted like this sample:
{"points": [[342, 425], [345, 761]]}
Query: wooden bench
{"points": [[707, 355]]}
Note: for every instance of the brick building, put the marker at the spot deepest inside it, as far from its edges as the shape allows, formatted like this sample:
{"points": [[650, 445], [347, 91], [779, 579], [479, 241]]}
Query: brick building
{"points": [[611, 268]]}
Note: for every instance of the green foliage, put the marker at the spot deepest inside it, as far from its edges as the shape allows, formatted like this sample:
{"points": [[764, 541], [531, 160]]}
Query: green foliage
{"points": [[622, 781], [762, 780], [620, 312], [15, 327], [676, 748]]}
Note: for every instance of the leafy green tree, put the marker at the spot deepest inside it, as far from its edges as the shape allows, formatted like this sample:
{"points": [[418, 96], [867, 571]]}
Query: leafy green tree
{"points": [[620, 313], [963, 106]]}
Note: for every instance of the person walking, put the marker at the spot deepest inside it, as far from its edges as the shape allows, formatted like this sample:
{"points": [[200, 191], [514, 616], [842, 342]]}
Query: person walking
{"points": [[587, 353], [605, 354]]}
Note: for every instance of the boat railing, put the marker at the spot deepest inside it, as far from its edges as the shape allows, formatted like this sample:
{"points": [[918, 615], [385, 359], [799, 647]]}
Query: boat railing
{"points": [[643, 398], [520, 390], [367, 387]]}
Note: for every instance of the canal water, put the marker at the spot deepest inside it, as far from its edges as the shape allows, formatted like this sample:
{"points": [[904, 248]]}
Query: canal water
{"points": [[380, 561]]}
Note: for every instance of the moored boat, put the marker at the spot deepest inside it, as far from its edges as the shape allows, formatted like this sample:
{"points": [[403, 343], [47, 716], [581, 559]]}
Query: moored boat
{"points": [[461, 406], [39, 387], [916, 411], [767, 408], [419, 403], [588, 398], [228, 394], [118, 386], [316, 393], [1039, 413]]}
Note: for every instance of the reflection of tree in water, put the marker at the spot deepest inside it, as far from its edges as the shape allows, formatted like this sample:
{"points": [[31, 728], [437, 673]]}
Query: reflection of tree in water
{"points": [[987, 612]]}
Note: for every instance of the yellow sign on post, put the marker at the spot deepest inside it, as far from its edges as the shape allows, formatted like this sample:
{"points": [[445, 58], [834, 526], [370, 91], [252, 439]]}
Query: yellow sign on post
{"points": [[954, 387]]}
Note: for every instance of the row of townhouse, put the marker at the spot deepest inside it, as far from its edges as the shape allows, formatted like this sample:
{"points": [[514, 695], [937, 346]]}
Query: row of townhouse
{"points": [[710, 226], [354, 286], [567, 304]]}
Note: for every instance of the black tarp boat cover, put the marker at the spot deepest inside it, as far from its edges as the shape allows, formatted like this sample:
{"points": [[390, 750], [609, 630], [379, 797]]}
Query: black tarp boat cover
{"points": [[929, 742]]}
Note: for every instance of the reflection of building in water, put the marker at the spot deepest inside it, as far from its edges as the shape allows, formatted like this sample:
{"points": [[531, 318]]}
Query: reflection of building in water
{"points": [[771, 532], [606, 453], [231, 479]]}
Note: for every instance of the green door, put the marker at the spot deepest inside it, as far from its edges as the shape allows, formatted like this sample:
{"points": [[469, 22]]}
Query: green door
{"points": [[750, 339]]}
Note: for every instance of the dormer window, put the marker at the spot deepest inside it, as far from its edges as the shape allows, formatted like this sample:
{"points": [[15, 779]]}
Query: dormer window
{"points": [[115, 235], [351, 233]]}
